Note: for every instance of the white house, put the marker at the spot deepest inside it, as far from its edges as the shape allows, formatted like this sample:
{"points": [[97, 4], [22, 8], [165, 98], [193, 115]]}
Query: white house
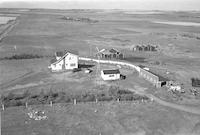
{"points": [[64, 61], [110, 74]]}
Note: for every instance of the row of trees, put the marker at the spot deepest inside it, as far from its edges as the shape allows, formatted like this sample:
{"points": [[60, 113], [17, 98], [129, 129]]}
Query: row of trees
{"points": [[80, 19], [22, 56], [114, 93]]}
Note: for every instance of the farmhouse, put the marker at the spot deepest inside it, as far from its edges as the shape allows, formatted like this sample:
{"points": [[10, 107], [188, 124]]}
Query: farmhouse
{"points": [[112, 53], [157, 80], [110, 74], [66, 60]]}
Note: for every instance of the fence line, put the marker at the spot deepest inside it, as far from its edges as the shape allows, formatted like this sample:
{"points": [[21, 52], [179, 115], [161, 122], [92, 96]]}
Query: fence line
{"points": [[111, 62], [75, 102]]}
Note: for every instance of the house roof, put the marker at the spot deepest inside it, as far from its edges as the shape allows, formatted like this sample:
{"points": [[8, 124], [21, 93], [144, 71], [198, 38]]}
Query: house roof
{"points": [[161, 78], [65, 54], [53, 60], [113, 71]]}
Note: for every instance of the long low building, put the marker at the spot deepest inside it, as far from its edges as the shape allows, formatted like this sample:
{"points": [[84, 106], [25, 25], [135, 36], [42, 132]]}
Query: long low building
{"points": [[157, 80]]}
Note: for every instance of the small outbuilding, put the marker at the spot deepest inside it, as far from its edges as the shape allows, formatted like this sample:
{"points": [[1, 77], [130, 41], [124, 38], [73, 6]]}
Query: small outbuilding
{"points": [[113, 74]]}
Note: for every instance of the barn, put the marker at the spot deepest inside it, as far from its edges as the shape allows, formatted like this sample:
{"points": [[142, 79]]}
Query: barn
{"points": [[112, 53], [66, 60], [157, 80], [110, 74]]}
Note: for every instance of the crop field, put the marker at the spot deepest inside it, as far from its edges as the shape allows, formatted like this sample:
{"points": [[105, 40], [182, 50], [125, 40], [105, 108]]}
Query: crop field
{"points": [[29, 45]]}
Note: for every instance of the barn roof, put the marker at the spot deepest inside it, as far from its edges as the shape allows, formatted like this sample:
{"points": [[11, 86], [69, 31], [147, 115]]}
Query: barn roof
{"points": [[106, 52], [113, 50], [110, 52], [161, 78], [113, 71]]}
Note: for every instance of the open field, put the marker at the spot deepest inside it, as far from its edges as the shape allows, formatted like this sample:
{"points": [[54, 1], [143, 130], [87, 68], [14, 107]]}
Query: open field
{"points": [[42, 32], [4, 20]]}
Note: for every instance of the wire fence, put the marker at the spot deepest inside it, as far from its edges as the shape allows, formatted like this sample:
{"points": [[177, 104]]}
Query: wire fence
{"points": [[26, 99]]}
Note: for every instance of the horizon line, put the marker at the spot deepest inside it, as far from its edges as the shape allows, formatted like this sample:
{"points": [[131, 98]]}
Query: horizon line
{"points": [[100, 9]]}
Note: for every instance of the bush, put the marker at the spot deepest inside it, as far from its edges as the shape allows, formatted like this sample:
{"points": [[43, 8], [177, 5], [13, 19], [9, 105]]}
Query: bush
{"points": [[60, 97], [116, 93], [87, 97], [10, 96], [195, 82], [104, 97], [127, 97], [19, 103], [13, 103], [68, 98]]}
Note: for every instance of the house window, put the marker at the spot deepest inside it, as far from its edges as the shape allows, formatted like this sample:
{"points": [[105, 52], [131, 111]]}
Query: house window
{"points": [[73, 64], [111, 75]]}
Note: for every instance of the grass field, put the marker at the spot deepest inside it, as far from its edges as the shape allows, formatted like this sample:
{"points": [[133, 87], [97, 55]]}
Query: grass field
{"points": [[42, 32], [105, 118]]}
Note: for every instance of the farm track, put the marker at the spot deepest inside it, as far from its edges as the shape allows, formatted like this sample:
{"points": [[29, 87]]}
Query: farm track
{"points": [[188, 109], [184, 108], [9, 28], [32, 86], [7, 84]]}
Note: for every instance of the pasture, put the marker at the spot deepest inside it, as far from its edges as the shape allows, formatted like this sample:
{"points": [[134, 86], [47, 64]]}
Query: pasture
{"points": [[42, 32]]}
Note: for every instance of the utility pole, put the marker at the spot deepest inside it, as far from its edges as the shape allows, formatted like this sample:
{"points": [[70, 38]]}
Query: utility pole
{"points": [[98, 81]]}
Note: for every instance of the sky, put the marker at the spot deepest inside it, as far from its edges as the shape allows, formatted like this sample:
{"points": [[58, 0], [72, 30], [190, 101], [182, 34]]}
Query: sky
{"points": [[104, 4]]}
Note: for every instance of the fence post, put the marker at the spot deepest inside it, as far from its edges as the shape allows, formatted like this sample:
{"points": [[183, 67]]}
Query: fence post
{"points": [[3, 107], [74, 101], [51, 104], [117, 99], [96, 100], [152, 99], [26, 105]]}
